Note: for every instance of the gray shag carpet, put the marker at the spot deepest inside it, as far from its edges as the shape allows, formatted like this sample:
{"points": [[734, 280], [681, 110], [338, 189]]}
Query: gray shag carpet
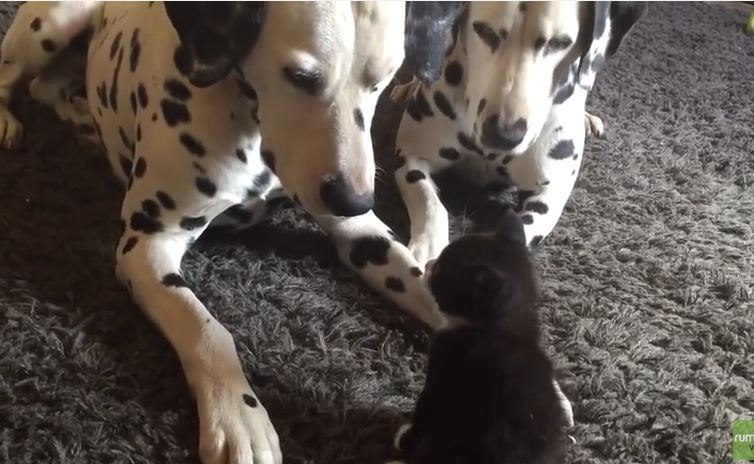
{"points": [[648, 285]]}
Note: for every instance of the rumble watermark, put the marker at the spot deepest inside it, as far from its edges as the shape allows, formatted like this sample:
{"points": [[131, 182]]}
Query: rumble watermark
{"points": [[743, 440]]}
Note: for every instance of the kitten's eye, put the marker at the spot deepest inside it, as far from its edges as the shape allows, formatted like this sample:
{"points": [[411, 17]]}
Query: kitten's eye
{"points": [[559, 43], [306, 80]]}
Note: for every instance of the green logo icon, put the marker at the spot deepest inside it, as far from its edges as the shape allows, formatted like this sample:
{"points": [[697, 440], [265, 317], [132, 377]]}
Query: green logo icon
{"points": [[743, 440]]}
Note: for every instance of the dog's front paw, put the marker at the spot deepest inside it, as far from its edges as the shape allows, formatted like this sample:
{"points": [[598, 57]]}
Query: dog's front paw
{"points": [[593, 125], [234, 426], [11, 131]]}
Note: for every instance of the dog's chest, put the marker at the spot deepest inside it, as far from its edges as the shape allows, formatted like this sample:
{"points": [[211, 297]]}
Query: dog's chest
{"points": [[144, 107]]}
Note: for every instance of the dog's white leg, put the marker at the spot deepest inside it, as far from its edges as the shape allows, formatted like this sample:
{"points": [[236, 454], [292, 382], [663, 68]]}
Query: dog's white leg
{"points": [[234, 426], [366, 245], [546, 175], [428, 216]]}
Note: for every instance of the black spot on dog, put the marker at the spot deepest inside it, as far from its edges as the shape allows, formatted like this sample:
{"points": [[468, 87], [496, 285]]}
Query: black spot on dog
{"points": [[241, 155], [507, 159], [141, 167], [124, 138], [115, 45], [395, 284], [539, 43], [522, 196], [250, 400], [143, 223], [416, 272], [154, 117], [469, 144], [418, 107], [449, 153], [487, 34], [132, 99], [453, 73], [141, 91], [165, 200], [126, 165], [36, 24], [443, 104], [598, 62], [563, 93], [174, 280], [114, 85], [537, 207], [138, 132], [130, 244], [358, 116], [192, 223], [575, 156], [370, 250], [503, 34], [493, 156], [255, 114], [535, 241], [206, 186], [133, 60], [480, 108], [400, 161], [48, 45], [269, 159], [151, 208], [527, 219], [573, 173], [190, 143], [414, 175], [247, 89], [102, 94], [174, 112], [239, 214], [562, 150], [501, 171], [177, 89]]}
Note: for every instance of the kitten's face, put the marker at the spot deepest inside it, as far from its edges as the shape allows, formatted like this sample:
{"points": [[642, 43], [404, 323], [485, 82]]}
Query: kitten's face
{"points": [[476, 278]]}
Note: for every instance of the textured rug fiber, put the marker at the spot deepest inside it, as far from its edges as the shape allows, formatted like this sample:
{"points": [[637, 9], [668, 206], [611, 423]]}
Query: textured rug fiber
{"points": [[648, 285]]}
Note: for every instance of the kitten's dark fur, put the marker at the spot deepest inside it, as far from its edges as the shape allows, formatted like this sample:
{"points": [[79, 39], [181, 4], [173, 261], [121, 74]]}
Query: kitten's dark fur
{"points": [[489, 395]]}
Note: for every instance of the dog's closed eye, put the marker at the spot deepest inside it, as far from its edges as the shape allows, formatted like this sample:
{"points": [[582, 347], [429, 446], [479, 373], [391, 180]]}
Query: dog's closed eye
{"points": [[309, 81], [559, 43]]}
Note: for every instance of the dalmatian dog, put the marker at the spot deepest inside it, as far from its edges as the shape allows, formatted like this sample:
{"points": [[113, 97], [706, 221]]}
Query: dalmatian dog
{"points": [[507, 107], [207, 112]]}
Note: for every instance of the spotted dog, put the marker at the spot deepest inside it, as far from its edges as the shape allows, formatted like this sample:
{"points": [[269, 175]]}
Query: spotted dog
{"points": [[507, 108], [207, 112]]}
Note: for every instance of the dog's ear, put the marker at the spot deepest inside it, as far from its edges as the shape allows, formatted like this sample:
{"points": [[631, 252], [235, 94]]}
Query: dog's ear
{"points": [[214, 36], [605, 25], [623, 16], [510, 227], [427, 26]]}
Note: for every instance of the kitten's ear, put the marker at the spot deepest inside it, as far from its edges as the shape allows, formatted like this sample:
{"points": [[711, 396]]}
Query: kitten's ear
{"points": [[510, 227]]}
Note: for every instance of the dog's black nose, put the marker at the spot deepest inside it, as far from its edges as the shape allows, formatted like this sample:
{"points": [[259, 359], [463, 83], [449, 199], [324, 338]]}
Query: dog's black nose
{"points": [[502, 136], [341, 199]]}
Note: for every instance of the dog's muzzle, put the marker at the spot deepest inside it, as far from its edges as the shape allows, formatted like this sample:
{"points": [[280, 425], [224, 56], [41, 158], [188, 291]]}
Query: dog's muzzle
{"points": [[342, 200], [501, 136]]}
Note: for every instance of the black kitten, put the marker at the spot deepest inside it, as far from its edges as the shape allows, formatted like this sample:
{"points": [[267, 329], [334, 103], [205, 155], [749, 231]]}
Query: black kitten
{"points": [[489, 397]]}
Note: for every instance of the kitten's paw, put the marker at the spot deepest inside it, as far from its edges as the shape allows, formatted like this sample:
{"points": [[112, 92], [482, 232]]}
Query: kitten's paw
{"points": [[564, 403], [398, 440]]}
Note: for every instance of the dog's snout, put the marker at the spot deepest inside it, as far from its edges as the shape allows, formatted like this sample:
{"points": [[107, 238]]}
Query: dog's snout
{"points": [[502, 136], [341, 199]]}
